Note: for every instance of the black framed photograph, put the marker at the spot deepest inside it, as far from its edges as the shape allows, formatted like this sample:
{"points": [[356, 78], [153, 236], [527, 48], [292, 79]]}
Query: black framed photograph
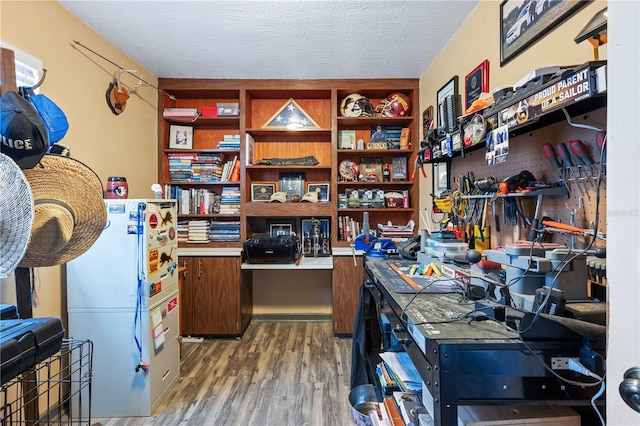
{"points": [[524, 22], [262, 191], [180, 137], [280, 230], [322, 189], [281, 226], [449, 89], [292, 184]]}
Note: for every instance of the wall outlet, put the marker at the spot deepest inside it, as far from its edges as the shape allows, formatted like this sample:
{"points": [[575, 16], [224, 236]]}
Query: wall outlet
{"points": [[561, 362]]}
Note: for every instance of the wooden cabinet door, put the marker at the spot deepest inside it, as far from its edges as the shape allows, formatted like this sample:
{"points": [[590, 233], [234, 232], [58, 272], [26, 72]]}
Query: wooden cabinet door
{"points": [[345, 288], [216, 296], [186, 295]]}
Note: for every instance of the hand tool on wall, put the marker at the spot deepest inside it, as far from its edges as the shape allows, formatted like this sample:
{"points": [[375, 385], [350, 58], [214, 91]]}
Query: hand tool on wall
{"points": [[601, 137], [533, 231], [550, 153], [565, 157], [563, 227], [581, 155]]}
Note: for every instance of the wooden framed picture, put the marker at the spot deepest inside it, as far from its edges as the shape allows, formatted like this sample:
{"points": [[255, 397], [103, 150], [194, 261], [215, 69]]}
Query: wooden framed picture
{"points": [[476, 82], [292, 184], [262, 191], [321, 188], [427, 120], [180, 137], [524, 22]]}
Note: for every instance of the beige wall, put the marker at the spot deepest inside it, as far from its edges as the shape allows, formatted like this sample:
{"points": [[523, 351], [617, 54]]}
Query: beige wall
{"points": [[77, 80], [479, 39]]}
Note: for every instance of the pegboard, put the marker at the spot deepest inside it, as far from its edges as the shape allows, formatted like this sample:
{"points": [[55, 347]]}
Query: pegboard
{"points": [[525, 153]]}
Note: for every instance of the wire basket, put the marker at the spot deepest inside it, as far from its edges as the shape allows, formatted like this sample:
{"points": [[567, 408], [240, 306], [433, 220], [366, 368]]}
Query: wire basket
{"points": [[46, 393]]}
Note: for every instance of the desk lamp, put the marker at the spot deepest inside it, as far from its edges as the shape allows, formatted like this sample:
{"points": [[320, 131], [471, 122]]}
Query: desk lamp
{"points": [[595, 31]]}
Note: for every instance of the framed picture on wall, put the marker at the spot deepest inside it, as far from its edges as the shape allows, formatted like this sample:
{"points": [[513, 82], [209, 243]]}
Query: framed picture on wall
{"points": [[449, 90], [476, 82], [524, 22]]}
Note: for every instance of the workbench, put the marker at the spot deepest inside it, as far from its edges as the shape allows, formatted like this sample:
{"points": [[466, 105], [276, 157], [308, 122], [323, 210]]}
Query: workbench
{"points": [[469, 360]]}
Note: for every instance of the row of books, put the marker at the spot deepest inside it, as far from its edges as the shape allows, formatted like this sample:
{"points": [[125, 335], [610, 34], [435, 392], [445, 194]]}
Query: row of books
{"points": [[348, 228], [396, 232], [401, 409], [230, 200], [402, 392], [205, 231], [203, 167], [231, 142], [193, 200]]}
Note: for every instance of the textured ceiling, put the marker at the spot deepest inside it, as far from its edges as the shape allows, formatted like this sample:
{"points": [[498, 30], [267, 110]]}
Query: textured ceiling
{"points": [[277, 39]]}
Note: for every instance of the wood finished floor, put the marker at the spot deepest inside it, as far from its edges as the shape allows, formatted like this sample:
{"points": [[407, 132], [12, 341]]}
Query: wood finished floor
{"points": [[279, 373]]}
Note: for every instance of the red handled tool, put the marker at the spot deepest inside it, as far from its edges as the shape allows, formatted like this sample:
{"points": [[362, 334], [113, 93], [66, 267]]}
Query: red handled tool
{"points": [[565, 157], [579, 150], [550, 153], [601, 136]]}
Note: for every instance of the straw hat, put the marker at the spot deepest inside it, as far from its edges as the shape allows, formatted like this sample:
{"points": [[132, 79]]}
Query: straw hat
{"points": [[69, 212], [16, 215]]}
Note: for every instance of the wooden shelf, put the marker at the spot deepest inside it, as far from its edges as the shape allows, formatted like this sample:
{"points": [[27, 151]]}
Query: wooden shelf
{"points": [[288, 209]]}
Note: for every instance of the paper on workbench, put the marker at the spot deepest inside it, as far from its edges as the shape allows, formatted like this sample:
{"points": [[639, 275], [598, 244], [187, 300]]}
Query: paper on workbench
{"points": [[404, 369]]}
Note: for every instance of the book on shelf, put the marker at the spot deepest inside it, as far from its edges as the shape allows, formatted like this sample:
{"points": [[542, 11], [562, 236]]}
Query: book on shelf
{"points": [[249, 142], [409, 404], [394, 413], [181, 112]]}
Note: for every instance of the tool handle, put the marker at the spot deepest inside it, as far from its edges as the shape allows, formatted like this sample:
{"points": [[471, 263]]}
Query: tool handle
{"points": [[550, 153], [600, 136], [580, 151], [561, 225], [563, 152]]}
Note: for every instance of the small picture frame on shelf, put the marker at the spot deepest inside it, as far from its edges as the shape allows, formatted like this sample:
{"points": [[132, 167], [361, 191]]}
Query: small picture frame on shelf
{"points": [[371, 169], [280, 230], [180, 137], [262, 191], [281, 227], [321, 188], [399, 168], [347, 139], [292, 184]]}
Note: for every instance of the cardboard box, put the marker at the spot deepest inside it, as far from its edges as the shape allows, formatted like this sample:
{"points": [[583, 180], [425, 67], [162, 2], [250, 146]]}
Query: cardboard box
{"points": [[509, 415]]}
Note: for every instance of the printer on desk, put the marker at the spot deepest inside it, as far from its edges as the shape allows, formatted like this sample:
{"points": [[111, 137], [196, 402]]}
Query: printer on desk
{"points": [[267, 249]]}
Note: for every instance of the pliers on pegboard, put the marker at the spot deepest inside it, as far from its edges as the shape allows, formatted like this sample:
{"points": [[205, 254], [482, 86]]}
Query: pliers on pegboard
{"points": [[419, 162]]}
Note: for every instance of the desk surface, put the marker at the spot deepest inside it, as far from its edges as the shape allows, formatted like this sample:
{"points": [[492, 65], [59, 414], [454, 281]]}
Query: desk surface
{"points": [[438, 316]]}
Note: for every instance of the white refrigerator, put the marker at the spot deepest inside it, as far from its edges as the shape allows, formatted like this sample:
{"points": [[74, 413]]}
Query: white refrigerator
{"points": [[122, 295]]}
